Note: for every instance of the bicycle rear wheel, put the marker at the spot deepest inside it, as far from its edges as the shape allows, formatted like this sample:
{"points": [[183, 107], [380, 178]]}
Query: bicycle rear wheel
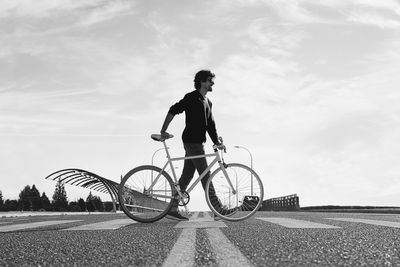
{"points": [[241, 201], [146, 193]]}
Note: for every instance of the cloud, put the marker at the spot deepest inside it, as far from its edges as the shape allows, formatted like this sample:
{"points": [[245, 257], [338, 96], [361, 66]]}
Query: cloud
{"points": [[388, 5], [339, 135], [289, 12], [24, 19], [41, 9], [106, 12], [374, 19], [201, 51], [292, 11], [260, 35], [155, 22], [386, 57]]}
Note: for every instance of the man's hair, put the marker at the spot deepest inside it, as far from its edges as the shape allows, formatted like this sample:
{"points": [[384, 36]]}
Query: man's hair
{"points": [[202, 76]]}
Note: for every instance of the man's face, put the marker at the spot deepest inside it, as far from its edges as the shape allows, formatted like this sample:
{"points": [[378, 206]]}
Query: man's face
{"points": [[208, 84]]}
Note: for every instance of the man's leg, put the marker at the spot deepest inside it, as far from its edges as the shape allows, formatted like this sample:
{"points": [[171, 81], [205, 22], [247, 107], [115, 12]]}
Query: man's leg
{"points": [[201, 165], [186, 177], [187, 172]]}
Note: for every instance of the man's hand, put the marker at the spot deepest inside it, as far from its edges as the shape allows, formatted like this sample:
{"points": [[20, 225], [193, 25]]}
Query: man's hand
{"points": [[220, 146], [164, 127], [165, 135]]}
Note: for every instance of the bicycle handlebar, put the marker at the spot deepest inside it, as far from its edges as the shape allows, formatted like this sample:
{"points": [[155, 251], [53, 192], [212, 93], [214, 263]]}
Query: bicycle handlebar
{"points": [[161, 138], [220, 146]]}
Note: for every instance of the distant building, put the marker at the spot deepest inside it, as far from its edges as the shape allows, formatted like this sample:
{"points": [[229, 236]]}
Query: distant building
{"points": [[285, 203]]}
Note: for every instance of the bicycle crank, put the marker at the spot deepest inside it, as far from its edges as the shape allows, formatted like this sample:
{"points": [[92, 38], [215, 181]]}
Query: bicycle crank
{"points": [[183, 201]]}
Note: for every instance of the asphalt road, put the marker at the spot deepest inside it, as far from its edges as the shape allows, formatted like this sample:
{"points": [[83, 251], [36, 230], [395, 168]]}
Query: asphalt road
{"points": [[267, 239]]}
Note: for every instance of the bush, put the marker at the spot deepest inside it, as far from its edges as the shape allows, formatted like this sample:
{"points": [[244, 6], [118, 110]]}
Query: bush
{"points": [[108, 206], [74, 208], [90, 207], [10, 205]]}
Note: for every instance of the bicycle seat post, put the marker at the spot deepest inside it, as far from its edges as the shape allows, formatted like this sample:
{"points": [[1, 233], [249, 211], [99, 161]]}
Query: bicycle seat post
{"points": [[170, 161], [166, 150]]}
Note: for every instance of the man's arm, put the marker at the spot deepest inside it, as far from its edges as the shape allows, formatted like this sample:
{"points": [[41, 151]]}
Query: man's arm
{"points": [[166, 123], [173, 110], [211, 129]]}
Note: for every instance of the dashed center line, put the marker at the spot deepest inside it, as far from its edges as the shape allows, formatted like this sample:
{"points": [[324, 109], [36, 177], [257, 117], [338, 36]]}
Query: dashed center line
{"points": [[367, 221], [201, 222], [16, 227], [226, 253], [182, 254], [195, 215], [107, 225], [294, 223]]}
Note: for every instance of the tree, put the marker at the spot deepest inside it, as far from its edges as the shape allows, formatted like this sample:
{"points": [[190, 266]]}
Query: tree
{"points": [[45, 202], [94, 203], [60, 201], [1, 200], [34, 199], [108, 206], [24, 199], [82, 204], [97, 203], [10, 205], [89, 202], [73, 206], [29, 199]]}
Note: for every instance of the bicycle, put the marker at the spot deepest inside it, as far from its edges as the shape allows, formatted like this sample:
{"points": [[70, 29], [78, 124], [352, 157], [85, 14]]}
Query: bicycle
{"points": [[147, 192]]}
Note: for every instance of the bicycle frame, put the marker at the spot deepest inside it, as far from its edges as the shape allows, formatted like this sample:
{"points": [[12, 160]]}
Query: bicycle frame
{"points": [[170, 161]]}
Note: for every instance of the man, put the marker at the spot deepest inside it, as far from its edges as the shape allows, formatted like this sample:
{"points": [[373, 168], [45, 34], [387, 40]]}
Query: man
{"points": [[199, 120]]}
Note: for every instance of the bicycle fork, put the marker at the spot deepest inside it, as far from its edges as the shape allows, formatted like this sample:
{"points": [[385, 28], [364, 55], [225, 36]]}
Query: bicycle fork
{"points": [[229, 180], [223, 166]]}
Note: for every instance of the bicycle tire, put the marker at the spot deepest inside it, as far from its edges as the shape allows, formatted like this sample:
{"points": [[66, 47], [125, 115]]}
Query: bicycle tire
{"points": [[249, 192], [141, 204]]}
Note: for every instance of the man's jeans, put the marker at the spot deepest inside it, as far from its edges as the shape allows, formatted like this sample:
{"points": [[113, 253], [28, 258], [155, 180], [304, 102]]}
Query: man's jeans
{"points": [[191, 165]]}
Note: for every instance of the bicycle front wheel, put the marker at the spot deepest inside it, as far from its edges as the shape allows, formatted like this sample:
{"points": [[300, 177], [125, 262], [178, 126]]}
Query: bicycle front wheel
{"points": [[234, 192], [146, 193]]}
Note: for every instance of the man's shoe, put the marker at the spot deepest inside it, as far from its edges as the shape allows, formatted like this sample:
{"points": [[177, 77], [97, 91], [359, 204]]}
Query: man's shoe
{"points": [[174, 215], [230, 212], [225, 212], [216, 217]]}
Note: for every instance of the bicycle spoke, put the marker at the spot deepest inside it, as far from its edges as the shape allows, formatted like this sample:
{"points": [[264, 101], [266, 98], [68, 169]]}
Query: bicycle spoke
{"points": [[146, 193], [241, 201]]}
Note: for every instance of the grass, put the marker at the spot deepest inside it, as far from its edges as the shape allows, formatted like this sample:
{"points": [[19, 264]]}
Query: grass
{"points": [[360, 209]]}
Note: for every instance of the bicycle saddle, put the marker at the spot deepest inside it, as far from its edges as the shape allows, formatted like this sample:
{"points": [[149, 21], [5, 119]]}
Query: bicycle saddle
{"points": [[159, 138]]}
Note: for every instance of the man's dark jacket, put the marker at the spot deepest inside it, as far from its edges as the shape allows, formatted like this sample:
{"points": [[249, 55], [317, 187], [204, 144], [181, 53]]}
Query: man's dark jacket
{"points": [[199, 118]]}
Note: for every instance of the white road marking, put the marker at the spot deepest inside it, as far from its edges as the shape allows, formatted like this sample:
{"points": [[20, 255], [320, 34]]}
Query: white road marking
{"points": [[194, 216], [366, 221], [293, 223], [107, 225], [182, 254], [206, 215], [226, 253], [201, 222], [16, 227]]}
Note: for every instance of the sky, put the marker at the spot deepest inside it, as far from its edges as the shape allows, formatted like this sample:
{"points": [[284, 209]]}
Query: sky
{"points": [[310, 88]]}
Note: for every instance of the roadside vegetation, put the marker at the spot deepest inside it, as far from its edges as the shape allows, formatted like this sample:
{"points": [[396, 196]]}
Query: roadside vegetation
{"points": [[30, 199], [360, 209]]}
